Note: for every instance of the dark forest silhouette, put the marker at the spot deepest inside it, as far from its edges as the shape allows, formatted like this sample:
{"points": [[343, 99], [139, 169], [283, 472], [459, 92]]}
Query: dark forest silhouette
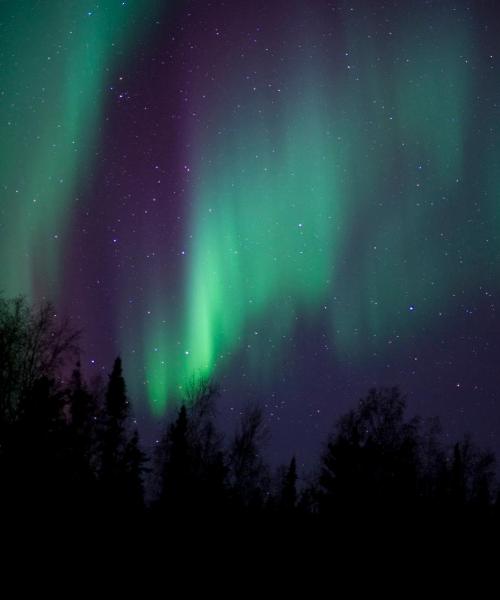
{"points": [[70, 448]]}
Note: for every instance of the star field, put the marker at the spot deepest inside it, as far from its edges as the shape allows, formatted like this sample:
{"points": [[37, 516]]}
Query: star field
{"points": [[300, 199]]}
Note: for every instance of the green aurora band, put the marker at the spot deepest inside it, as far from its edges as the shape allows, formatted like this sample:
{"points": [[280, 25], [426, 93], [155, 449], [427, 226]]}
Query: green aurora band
{"points": [[52, 95], [334, 198], [285, 198]]}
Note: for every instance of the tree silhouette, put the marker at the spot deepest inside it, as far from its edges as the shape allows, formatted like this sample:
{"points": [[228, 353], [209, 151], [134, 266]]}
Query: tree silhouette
{"points": [[83, 416], [470, 475], [177, 475], [34, 441], [134, 460], [192, 463], [288, 492], [33, 344], [372, 459], [69, 450], [39, 454], [121, 459], [249, 477]]}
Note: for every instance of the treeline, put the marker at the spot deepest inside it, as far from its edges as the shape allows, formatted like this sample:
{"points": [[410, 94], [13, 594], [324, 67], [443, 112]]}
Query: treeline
{"points": [[72, 448]]}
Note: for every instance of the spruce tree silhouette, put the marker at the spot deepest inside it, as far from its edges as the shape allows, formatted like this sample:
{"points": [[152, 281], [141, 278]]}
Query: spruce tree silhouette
{"points": [[458, 475], [191, 459], [471, 476], [83, 416], [121, 459], [67, 452], [483, 485], [248, 474], [134, 460], [288, 500], [209, 462], [177, 477]]}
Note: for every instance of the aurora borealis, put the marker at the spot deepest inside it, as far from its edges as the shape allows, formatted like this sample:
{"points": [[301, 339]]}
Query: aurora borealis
{"points": [[300, 199]]}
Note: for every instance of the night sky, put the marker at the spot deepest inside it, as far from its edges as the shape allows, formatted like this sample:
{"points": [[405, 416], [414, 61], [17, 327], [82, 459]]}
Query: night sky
{"points": [[298, 198]]}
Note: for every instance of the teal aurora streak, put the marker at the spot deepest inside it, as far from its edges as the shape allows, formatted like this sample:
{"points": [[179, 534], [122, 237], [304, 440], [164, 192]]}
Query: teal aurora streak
{"points": [[56, 57], [328, 195]]}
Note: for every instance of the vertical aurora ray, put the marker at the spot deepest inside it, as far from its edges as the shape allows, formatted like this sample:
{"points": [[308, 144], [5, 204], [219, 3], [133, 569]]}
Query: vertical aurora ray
{"points": [[268, 218], [324, 197], [281, 176], [265, 225], [415, 144], [56, 60], [156, 351]]}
